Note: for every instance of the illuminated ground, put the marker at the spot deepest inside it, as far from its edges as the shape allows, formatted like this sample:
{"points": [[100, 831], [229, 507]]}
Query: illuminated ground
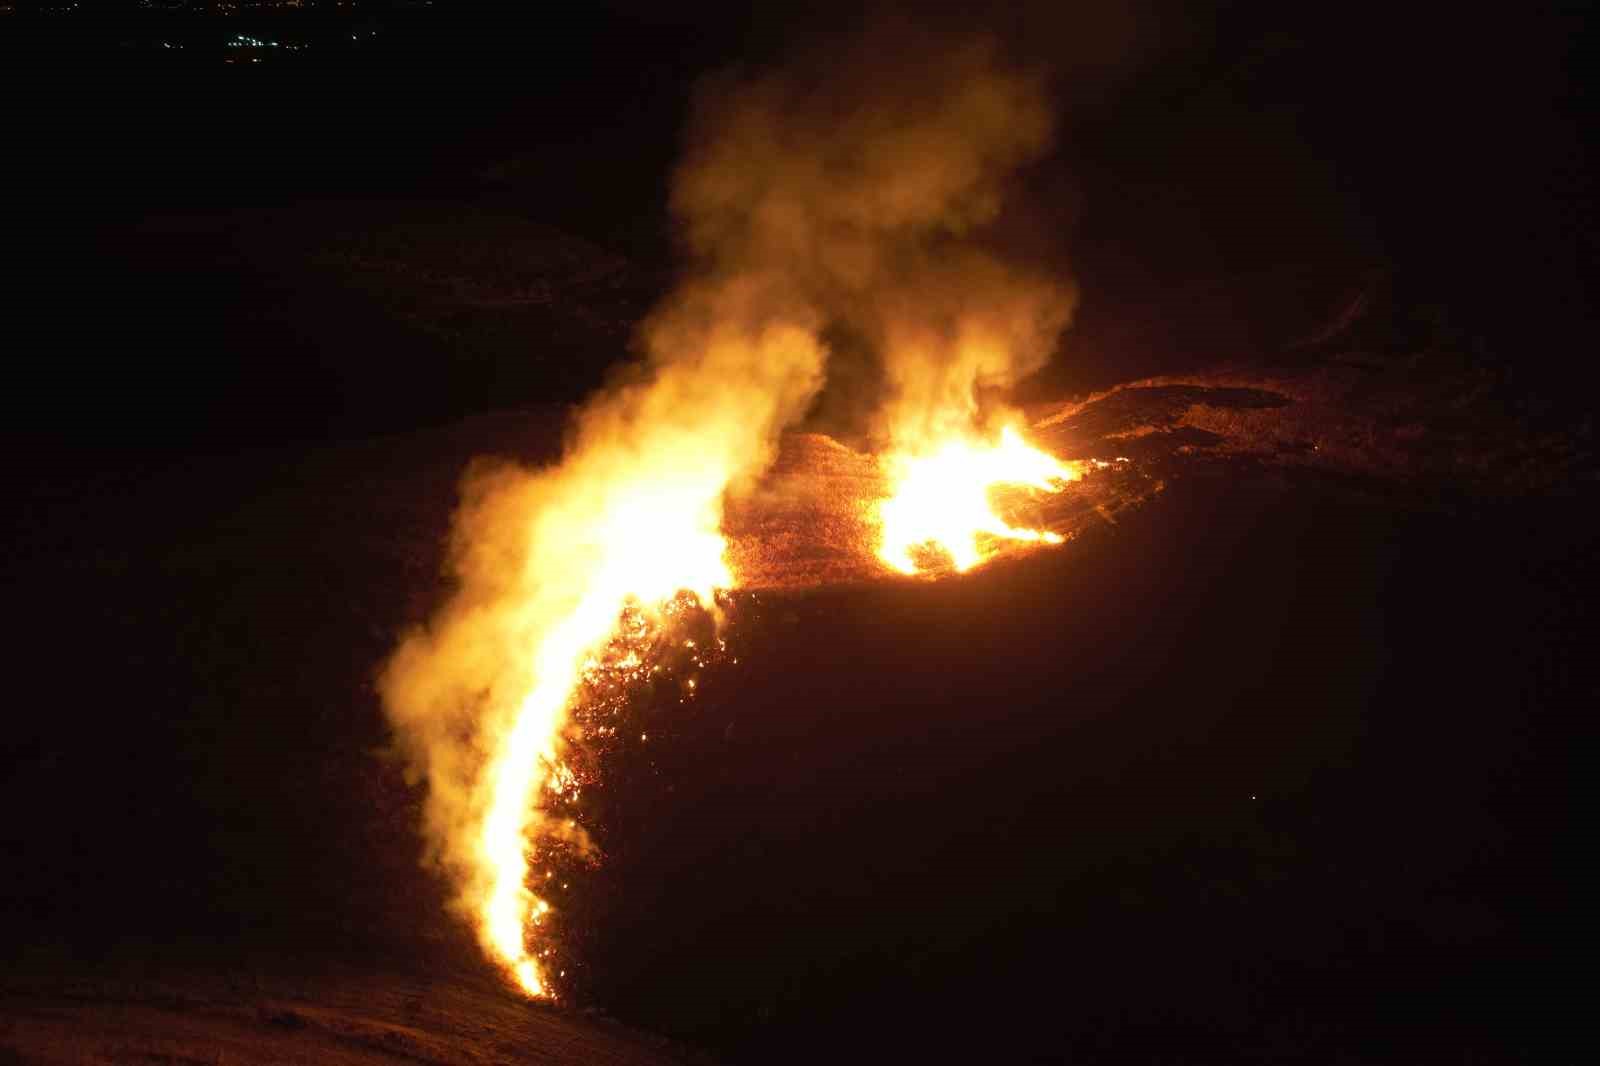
{"points": [[1276, 758]]}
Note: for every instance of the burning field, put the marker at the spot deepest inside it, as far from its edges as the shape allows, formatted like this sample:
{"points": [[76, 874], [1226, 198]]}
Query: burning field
{"points": [[846, 205], [837, 214], [825, 515], [815, 688]]}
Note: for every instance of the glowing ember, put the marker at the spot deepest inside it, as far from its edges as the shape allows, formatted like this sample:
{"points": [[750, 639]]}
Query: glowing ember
{"points": [[939, 499]]}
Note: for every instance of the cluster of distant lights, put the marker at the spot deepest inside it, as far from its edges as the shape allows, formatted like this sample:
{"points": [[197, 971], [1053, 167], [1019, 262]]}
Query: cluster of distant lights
{"points": [[243, 40]]}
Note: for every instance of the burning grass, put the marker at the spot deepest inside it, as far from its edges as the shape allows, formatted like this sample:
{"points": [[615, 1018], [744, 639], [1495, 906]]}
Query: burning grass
{"points": [[812, 521]]}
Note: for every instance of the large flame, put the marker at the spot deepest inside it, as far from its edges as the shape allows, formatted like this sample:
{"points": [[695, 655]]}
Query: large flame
{"points": [[940, 502], [548, 562], [656, 539]]}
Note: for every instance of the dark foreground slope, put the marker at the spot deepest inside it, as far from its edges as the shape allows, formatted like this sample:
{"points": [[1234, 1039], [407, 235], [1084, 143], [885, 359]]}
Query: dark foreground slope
{"points": [[313, 1017], [1279, 765]]}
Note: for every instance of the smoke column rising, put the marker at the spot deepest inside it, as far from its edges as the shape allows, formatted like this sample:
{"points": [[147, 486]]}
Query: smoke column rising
{"points": [[862, 174]]}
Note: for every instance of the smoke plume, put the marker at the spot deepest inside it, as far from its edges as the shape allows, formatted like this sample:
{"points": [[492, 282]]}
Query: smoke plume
{"points": [[863, 174]]}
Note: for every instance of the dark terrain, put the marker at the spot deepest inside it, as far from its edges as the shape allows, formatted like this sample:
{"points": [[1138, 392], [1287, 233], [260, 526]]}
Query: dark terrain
{"points": [[1282, 764]]}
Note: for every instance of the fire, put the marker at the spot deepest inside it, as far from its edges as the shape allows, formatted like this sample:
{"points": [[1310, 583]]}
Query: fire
{"points": [[634, 542], [939, 498], [657, 540], [564, 577], [642, 537], [806, 203]]}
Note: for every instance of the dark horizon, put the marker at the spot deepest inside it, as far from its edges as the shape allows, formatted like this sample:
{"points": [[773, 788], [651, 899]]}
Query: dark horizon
{"points": [[1196, 144]]}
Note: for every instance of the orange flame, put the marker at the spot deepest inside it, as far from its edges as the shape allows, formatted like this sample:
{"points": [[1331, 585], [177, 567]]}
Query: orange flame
{"points": [[657, 538], [939, 498], [548, 563]]}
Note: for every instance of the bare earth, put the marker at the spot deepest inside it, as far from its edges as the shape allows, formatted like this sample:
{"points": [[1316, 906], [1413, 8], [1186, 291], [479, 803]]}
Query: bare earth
{"points": [[345, 1019]]}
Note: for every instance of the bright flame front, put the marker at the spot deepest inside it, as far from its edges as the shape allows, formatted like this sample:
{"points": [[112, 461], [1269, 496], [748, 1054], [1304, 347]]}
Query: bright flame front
{"points": [[556, 570], [939, 498], [657, 539]]}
